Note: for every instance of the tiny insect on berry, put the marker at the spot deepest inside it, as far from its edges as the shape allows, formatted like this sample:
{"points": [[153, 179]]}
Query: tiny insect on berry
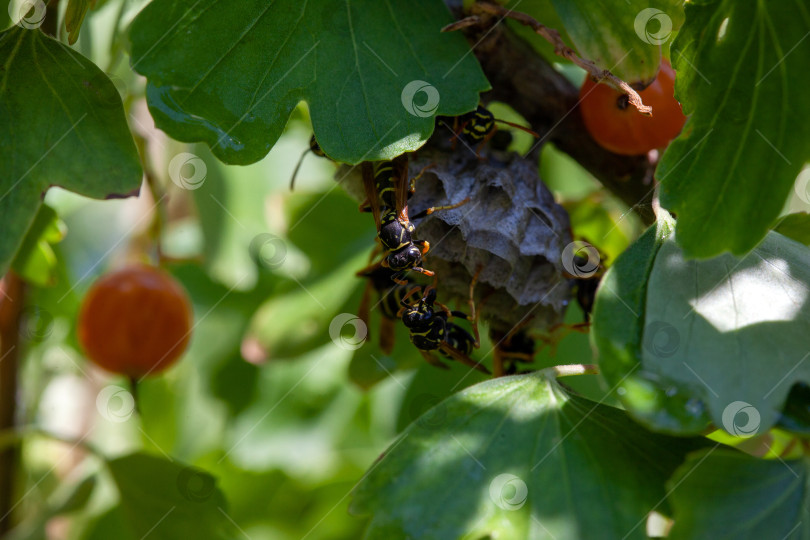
{"points": [[135, 321], [620, 128]]}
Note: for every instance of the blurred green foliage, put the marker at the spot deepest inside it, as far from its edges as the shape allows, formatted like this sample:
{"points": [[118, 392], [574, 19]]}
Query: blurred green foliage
{"points": [[283, 420]]}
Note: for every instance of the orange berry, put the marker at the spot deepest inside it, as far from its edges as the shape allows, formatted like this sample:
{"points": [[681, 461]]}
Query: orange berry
{"points": [[620, 128], [135, 321]]}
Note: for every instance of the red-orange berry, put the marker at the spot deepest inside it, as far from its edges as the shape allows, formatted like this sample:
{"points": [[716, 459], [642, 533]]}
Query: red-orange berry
{"points": [[620, 128], [135, 321]]}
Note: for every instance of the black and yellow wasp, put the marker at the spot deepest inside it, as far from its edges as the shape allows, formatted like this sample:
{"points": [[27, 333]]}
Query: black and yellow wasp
{"points": [[478, 127], [431, 329], [387, 189], [392, 289]]}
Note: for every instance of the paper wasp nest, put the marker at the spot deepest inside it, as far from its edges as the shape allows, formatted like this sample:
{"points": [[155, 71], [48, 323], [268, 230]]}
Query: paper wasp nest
{"points": [[511, 228]]}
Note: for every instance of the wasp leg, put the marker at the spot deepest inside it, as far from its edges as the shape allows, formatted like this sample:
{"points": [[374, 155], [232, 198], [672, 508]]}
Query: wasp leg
{"points": [[410, 293], [473, 312], [457, 131], [429, 273], [455, 354], [364, 272], [432, 209], [432, 360], [365, 206], [557, 332], [484, 141], [424, 245], [412, 186], [497, 362]]}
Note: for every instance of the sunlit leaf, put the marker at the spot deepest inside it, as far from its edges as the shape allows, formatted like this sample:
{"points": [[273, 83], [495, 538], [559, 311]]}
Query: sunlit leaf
{"points": [[742, 78]]}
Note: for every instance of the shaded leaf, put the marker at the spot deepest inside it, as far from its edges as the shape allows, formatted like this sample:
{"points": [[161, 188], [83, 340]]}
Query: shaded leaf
{"points": [[722, 339], [742, 78], [515, 458], [167, 500], [726, 494], [63, 124], [230, 74], [731, 332], [429, 387], [616, 334]]}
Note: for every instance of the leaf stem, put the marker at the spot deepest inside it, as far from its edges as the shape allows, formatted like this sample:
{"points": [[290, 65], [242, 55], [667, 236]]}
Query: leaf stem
{"points": [[568, 370]]}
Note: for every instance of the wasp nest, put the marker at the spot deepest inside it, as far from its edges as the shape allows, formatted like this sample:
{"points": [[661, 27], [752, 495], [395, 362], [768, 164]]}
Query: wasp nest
{"points": [[511, 229]]}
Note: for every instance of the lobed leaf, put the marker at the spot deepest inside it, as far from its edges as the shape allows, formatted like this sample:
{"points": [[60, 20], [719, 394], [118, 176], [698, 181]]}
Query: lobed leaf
{"points": [[374, 74], [63, 124]]}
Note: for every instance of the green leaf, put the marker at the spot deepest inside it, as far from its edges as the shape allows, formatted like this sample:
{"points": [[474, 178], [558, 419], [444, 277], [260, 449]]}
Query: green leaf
{"points": [[230, 74], [616, 333], [742, 76], [721, 339], [429, 386], [110, 524], [167, 500], [624, 37], [63, 124], [730, 331], [35, 260], [74, 17], [516, 457], [727, 494], [795, 226]]}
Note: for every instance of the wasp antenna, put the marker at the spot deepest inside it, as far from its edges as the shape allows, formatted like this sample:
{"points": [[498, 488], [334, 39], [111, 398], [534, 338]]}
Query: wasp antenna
{"points": [[518, 126]]}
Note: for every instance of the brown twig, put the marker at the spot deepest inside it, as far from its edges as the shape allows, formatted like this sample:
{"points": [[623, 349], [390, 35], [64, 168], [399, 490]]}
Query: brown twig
{"points": [[12, 291], [526, 81], [560, 49]]}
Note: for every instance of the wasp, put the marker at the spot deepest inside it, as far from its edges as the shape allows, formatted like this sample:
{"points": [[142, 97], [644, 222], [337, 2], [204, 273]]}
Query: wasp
{"points": [[432, 328], [478, 127], [315, 148], [387, 188], [392, 289]]}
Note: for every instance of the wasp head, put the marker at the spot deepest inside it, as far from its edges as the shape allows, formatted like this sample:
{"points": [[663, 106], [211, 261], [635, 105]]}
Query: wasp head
{"points": [[404, 259]]}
